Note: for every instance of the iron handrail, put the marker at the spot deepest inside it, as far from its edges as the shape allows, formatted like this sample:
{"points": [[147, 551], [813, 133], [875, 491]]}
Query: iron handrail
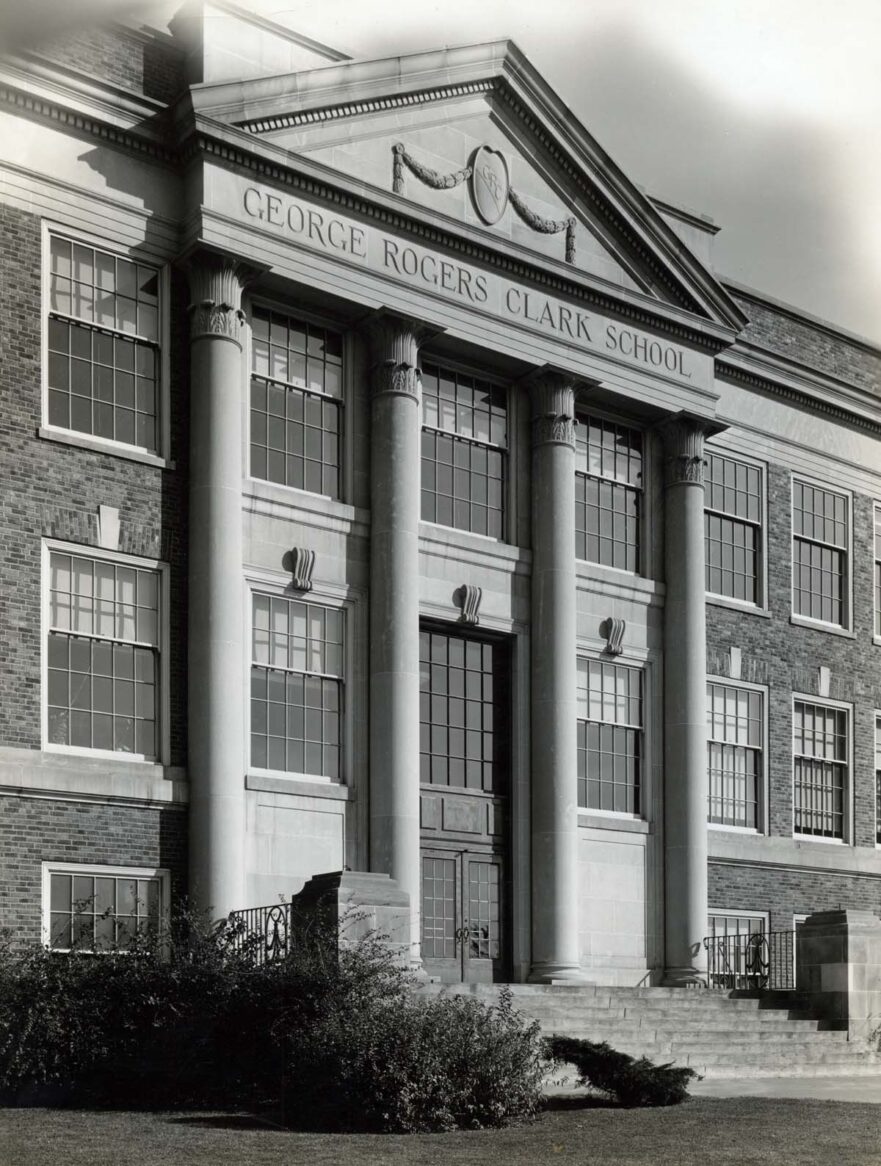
{"points": [[763, 961]]}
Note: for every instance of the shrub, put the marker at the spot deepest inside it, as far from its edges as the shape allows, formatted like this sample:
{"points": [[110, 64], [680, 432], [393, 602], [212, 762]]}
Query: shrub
{"points": [[416, 1063], [631, 1081], [335, 1033]]}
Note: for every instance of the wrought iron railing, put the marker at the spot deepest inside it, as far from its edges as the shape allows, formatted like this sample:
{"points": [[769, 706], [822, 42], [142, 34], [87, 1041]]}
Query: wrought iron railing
{"points": [[763, 962], [263, 933]]}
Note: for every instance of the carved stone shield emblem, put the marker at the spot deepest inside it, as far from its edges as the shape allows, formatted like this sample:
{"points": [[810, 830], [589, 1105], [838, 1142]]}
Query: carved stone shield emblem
{"points": [[489, 184]]}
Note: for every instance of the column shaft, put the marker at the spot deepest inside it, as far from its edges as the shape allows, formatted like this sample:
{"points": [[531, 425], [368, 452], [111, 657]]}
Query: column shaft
{"points": [[685, 715], [394, 609], [216, 655], [555, 924]]}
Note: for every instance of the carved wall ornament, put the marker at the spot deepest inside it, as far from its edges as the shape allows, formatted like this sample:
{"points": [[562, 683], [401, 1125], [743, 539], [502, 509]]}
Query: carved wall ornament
{"points": [[400, 379], [613, 630], [553, 407], [216, 284], [491, 190], [424, 173], [394, 346], [684, 450], [301, 564], [467, 598]]}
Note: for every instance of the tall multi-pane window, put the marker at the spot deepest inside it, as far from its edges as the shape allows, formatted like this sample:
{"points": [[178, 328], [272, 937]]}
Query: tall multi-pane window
{"points": [[735, 731], [103, 655], [733, 528], [877, 516], [296, 402], [103, 344], [819, 553], [609, 736], [820, 748], [464, 451], [296, 686], [463, 712], [608, 493], [102, 908]]}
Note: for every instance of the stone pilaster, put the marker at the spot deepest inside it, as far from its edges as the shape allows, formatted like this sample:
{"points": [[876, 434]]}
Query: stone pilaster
{"points": [[216, 645], [394, 607], [555, 922], [685, 713]]}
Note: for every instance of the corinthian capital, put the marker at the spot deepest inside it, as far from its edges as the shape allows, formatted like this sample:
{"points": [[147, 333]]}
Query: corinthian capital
{"points": [[683, 439], [394, 348], [216, 284], [552, 394]]}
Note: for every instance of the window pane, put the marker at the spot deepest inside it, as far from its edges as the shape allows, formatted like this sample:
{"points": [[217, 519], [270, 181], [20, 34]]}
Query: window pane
{"points": [[608, 493], [94, 393], [295, 722]]}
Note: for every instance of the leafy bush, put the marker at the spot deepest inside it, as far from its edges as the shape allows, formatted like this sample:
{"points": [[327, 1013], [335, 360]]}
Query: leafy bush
{"points": [[632, 1081], [335, 1034], [415, 1063]]}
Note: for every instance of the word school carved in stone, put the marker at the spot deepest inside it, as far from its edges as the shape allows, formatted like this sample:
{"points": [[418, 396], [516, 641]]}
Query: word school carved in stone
{"points": [[332, 234]]}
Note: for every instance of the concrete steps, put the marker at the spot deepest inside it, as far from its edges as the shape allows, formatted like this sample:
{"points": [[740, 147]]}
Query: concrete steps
{"points": [[715, 1033]]}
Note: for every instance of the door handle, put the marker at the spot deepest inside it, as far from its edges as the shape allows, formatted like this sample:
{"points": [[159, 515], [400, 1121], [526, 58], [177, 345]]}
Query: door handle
{"points": [[462, 934]]}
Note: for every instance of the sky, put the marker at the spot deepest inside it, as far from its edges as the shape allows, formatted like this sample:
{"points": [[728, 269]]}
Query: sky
{"points": [[763, 114]]}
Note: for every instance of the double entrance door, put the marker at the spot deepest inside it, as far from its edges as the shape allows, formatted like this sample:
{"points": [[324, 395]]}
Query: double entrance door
{"points": [[465, 751]]}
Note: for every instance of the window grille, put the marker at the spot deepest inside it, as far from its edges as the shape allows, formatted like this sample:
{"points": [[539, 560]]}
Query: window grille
{"points": [[464, 452], [820, 768], [608, 493], [103, 655], [103, 344], [733, 528], [735, 730], [99, 912], [819, 553], [296, 687], [609, 736], [296, 403]]}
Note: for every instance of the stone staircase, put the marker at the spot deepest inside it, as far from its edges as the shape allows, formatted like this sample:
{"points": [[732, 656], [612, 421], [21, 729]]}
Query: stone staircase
{"points": [[714, 1032]]}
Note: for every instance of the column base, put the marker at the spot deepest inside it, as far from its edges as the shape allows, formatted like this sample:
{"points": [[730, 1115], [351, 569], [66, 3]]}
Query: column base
{"points": [[684, 978], [557, 974]]}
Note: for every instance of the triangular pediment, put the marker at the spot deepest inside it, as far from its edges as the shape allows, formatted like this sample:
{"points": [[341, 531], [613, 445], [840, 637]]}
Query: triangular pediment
{"points": [[475, 135]]}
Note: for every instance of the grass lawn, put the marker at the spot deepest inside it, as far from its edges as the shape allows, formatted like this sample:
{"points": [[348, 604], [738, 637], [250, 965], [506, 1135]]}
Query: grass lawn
{"points": [[741, 1132]]}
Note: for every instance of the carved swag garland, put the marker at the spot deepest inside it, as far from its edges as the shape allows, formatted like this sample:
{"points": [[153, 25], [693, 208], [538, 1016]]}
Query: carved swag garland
{"points": [[438, 181]]}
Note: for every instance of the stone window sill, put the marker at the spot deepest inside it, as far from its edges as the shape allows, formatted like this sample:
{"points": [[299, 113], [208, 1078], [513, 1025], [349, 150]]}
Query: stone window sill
{"points": [[818, 626], [735, 605], [598, 821], [99, 445]]}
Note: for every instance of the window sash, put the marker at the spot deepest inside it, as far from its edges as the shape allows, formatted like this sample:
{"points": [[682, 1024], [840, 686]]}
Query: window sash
{"points": [[97, 287], [95, 911], [464, 406], [290, 635], [733, 489], [464, 483], [815, 524]]}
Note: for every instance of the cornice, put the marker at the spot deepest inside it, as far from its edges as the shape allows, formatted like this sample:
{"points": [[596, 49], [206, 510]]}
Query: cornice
{"points": [[770, 375], [94, 125], [235, 147], [270, 123]]}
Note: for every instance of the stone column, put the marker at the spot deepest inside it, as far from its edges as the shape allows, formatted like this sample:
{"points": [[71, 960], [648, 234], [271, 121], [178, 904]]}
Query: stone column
{"points": [[685, 704], [555, 924], [395, 465], [216, 660]]}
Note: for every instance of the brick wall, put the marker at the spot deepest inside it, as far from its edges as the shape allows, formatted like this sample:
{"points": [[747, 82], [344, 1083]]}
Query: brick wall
{"points": [[37, 831], [826, 351], [54, 490], [787, 658], [115, 57], [790, 892]]}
